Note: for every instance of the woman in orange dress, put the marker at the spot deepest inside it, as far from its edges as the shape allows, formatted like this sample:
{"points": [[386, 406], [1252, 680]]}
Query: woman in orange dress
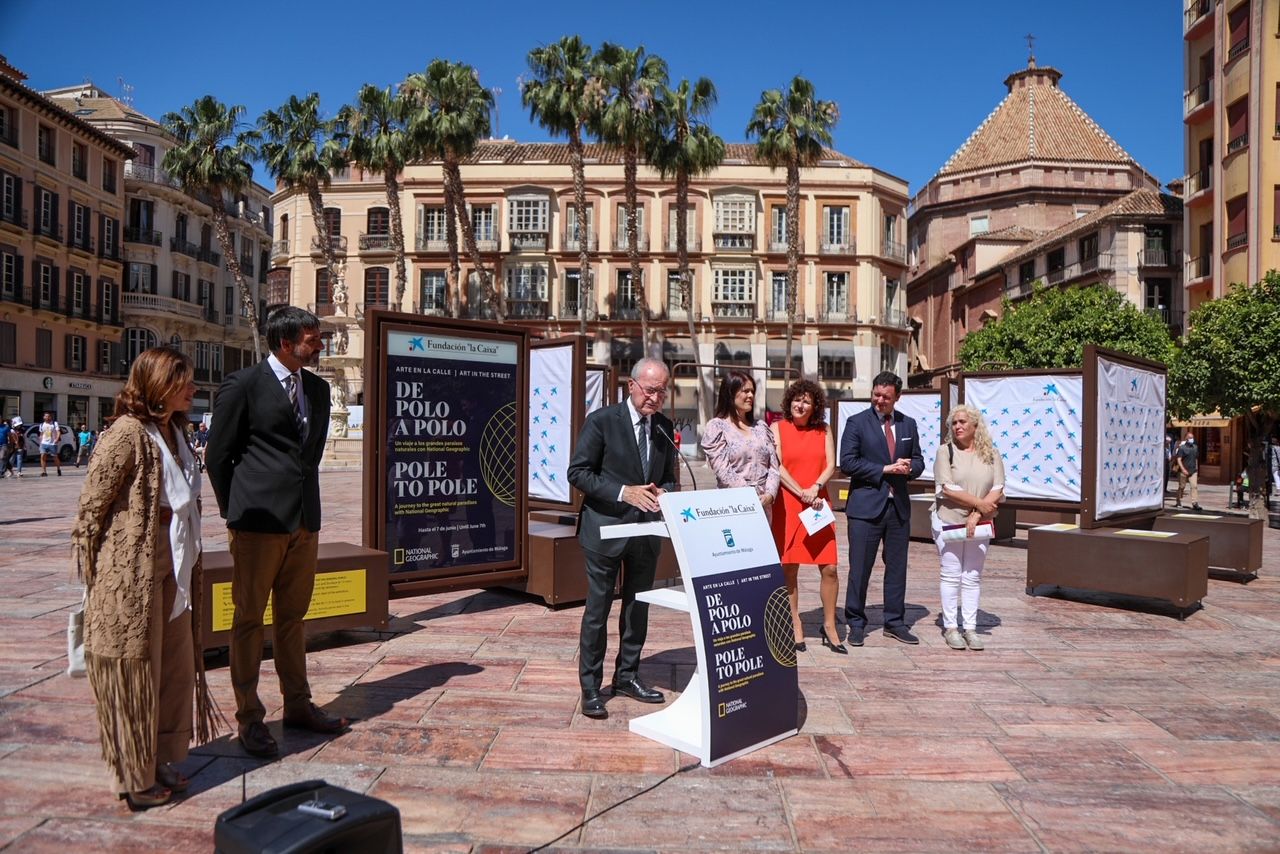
{"points": [[807, 454]]}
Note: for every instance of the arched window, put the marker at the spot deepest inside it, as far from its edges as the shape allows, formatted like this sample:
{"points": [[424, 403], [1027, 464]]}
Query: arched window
{"points": [[137, 339]]}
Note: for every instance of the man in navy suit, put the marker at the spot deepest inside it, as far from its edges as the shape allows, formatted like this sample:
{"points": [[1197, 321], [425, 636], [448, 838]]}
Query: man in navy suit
{"points": [[623, 461], [880, 451], [269, 426]]}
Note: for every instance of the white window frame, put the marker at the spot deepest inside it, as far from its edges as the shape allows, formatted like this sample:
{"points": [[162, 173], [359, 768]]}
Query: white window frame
{"points": [[79, 220], [735, 215], [439, 284], [622, 223], [979, 225], [44, 282], [626, 290], [107, 299], [108, 235], [8, 273], [77, 354], [8, 195], [571, 222], [778, 224], [76, 281], [46, 210], [733, 284], [104, 357], [137, 339], [528, 213], [835, 225], [139, 278], [690, 219], [778, 289], [836, 282], [483, 220], [435, 224], [531, 277]]}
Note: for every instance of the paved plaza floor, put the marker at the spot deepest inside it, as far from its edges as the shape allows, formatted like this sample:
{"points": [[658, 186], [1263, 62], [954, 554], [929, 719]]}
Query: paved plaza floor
{"points": [[1087, 724]]}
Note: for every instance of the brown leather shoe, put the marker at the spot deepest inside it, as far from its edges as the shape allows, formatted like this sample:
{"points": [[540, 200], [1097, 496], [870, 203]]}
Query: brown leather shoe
{"points": [[256, 740], [312, 717]]}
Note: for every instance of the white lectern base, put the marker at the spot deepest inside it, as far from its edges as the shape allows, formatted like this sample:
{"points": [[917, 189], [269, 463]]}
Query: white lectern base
{"points": [[679, 725]]}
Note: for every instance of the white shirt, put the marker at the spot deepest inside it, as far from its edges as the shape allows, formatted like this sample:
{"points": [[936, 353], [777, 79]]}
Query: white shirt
{"points": [[635, 432], [282, 374]]}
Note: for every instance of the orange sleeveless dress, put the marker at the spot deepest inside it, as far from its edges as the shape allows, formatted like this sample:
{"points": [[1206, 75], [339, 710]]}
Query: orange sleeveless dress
{"points": [[804, 454]]}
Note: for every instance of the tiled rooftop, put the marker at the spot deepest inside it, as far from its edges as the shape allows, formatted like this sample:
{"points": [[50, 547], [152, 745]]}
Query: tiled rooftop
{"points": [[557, 153]]}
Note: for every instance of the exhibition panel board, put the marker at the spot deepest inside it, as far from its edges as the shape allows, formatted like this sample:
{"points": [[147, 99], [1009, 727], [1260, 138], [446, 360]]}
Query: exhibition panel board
{"points": [[446, 414], [928, 406], [558, 402]]}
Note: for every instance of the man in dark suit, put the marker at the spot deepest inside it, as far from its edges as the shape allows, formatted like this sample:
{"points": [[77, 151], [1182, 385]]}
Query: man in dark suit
{"points": [[624, 460], [263, 458], [880, 451]]}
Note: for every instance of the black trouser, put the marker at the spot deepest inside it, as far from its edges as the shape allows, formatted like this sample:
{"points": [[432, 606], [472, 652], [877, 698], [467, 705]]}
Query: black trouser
{"points": [[865, 536], [638, 562]]}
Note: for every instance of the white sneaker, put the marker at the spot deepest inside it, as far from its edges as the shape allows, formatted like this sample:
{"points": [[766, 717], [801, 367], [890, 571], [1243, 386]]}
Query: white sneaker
{"points": [[971, 638], [953, 638]]}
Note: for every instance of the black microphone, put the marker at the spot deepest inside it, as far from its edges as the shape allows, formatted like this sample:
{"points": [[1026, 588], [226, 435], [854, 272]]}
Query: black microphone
{"points": [[680, 457]]}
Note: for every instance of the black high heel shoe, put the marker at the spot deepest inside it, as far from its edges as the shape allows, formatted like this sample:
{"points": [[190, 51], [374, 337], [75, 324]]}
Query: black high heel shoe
{"points": [[801, 646], [838, 648]]}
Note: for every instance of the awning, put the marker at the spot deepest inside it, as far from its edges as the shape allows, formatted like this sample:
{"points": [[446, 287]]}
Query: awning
{"points": [[1213, 419]]}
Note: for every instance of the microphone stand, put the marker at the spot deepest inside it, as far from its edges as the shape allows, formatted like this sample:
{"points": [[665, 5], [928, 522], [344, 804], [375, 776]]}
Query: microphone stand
{"points": [[680, 457]]}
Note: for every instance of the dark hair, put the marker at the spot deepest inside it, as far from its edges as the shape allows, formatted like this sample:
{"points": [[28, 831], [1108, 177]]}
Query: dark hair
{"points": [[288, 324], [888, 378], [729, 388], [800, 388], [156, 374]]}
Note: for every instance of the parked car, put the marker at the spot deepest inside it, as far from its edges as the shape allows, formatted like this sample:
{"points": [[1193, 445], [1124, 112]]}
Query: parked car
{"points": [[66, 444]]}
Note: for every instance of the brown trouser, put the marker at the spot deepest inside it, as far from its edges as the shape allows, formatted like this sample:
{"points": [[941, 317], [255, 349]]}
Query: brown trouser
{"points": [[282, 566]]}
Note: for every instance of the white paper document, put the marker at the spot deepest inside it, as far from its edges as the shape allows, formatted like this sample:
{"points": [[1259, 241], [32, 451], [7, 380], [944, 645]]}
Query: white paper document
{"points": [[815, 519]]}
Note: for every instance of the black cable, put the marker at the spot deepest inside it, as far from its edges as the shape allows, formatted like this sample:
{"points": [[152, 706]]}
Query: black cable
{"points": [[592, 818], [680, 457]]}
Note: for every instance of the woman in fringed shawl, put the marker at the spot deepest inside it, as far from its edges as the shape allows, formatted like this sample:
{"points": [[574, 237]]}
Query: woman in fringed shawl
{"points": [[136, 546]]}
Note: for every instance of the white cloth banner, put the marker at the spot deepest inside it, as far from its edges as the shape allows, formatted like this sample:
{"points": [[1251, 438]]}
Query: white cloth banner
{"points": [[1130, 439], [926, 409], [1035, 424], [594, 391], [550, 417], [845, 409]]}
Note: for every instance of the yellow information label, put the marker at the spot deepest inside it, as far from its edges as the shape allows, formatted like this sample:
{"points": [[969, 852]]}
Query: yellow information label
{"points": [[844, 495], [1058, 526], [1135, 532], [335, 594]]}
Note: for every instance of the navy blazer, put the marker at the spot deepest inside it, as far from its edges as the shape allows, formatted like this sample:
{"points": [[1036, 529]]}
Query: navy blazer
{"points": [[605, 459], [265, 477], [863, 455]]}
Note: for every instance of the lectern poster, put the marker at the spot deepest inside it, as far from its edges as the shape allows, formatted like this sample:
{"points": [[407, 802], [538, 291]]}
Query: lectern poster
{"points": [[452, 451], [1130, 440], [743, 615]]}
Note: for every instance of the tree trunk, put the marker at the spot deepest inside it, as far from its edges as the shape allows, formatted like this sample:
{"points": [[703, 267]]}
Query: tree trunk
{"points": [[397, 232], [451, 240], [491, 294], [793, 255], [584, 233], [630, 167], [233, 264], [1259, 427], [337, 287]]}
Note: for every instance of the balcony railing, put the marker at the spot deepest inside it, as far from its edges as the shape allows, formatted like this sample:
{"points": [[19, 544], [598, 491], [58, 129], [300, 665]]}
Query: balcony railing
{"points": [[246, 267], [848, 247], [15, 216], [53, 230], [1235, 241], [739, 240], [527, 308], [109, 251], [1239, 48], [1156, 258], [572, 242], [134, 234], [431, 244], [1197, 97], [1197, 268], [569, 308], [375, 243], [280, 249], [893, 317], [620, 242], [155, 304], [1196, 10], [837, 311], [733, 310], [1079, 268], [693, 242], [84, 244], [208, 256], [625, 309], [524, 240], [148, 172], [337, 242], [1198, 182], [185, 247], [1238, 143], [895, 250]]}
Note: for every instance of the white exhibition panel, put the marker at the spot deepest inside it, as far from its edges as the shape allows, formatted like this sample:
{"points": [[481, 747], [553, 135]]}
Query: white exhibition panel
{"points": [[926, 409], [1036, 424], [844, 410], [550, 421], [593, 390], [1130, 440]]}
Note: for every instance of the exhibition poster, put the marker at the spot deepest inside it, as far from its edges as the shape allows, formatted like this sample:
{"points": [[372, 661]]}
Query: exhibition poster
{"points": [[1130, 440], [550, 421], [926, 409]]}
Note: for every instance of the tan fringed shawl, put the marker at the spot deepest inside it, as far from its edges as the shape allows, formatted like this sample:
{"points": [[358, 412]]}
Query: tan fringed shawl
{"points": [[113, 549]]}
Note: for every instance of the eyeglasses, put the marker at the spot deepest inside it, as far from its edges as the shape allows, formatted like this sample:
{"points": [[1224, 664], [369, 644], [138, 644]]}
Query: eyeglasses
{"points": [[657, 391]]}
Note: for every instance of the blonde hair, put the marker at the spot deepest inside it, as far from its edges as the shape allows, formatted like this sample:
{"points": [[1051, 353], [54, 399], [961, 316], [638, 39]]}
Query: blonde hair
{"points": [[981, 436]]}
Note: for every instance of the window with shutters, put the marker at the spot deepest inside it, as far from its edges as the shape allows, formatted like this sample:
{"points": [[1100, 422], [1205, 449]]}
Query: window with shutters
{"points": [[80, 160], [108, 174], [78, 283], [433, 225], [10, 198], [105, 349], [109, 237], [778, 227], [621, 241], [140, 281], [322, 287], [377, 282], [835, 226], [136, 340], [44, 348], [573, 233], [431, 291], [44, 285], [47, 211], [333, 219], [1237, 222], [1027, 272], [482, 222], [837, 294], [8, 343], [378, 221], [76, 351], [182, 286], [10, 264], [8, 125], [107, 300], [80, 226], [47, 145]]}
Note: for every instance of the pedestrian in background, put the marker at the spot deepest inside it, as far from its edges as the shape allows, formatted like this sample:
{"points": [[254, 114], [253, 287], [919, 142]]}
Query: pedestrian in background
{"points": [[17, 445], [50, 435], [5, 450], [85, 438], [1187, 460]]}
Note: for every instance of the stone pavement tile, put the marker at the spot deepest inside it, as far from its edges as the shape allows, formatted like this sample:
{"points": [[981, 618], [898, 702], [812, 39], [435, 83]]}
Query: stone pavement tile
{"points": [[1138, 818], [40, 723], [1229, 763], [876, 658], [928, 686], [824, 680], [896, 815], [367, 703], [58, 779], [57, 835], [992, 658], [544, 711], [1193, 723], [605, 751], [14, 679], [1236, 689], [823, 716], [547, 647], [792, 757], [408, 673], [1265, 799], [1053, 722], [382, 744], [1125, 690], [449, 806], [925, 758], [11, 827], [1067, 660], [887, 717], [1087, 760], [434, 644], [691, 812], [56, 687], [549, 677], [227, 782]]}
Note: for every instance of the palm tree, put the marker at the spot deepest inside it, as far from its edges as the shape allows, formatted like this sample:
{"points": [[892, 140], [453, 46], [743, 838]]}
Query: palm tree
{"points": [[562, 96], [791, 129], [380, 143], [301, 150], [452, 109], [685, 147], [627, 121], [211, 157]]}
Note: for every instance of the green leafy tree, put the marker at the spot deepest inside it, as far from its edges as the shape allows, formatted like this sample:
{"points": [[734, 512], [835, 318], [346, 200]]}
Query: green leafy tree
{"points": [[627, 121], [684, 146], [301, 150], [209, 160], [562, 96], [791, 129], [379, 142], [1230, 362], [1050, 329]]}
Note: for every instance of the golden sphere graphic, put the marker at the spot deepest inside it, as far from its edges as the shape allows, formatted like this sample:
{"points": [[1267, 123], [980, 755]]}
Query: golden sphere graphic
{"points": [[499, 454], [777, 628]]}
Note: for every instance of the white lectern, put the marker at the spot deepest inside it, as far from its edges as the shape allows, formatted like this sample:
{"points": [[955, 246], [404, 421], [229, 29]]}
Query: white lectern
{"points": [[744, 692]]}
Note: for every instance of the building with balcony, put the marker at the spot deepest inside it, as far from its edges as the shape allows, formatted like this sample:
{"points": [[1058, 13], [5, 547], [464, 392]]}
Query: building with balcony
{"points": [[62, 204], [1038, 163], [176, 288], [850, 314]]}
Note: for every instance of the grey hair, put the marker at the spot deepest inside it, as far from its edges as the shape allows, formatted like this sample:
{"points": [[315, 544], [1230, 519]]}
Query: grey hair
{"points": [[644, 364]]}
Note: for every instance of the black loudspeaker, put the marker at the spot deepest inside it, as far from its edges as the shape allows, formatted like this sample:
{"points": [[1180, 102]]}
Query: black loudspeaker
{"points": [[294, 819]]}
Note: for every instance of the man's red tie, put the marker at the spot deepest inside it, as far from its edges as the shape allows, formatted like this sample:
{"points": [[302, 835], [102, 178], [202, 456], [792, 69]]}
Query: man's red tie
{"points": [[888, 437]]}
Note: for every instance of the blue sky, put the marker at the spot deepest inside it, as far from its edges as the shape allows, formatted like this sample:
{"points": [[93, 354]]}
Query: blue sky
{"points": [[913, 79]]}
